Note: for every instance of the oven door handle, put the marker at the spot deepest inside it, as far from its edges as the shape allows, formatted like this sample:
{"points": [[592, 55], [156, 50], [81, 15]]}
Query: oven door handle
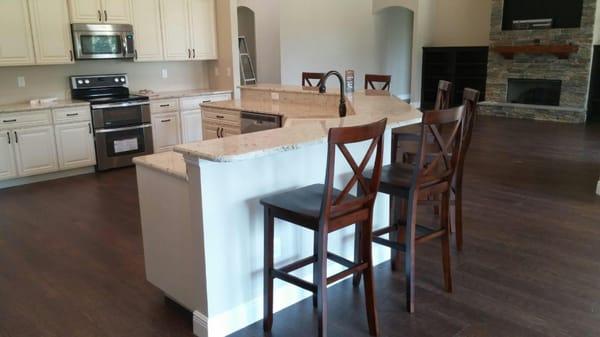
{"points": [[124, 129], [119, 105]]}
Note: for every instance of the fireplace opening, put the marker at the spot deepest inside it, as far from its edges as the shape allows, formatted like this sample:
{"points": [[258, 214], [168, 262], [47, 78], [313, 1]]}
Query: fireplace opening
{"points": [[537, 92]]}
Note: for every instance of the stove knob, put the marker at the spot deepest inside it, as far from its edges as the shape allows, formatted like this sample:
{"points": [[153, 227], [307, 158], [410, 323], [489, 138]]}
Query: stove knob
{"points": [[87, 81], [79, 81], [123, 79], [117, 79]]}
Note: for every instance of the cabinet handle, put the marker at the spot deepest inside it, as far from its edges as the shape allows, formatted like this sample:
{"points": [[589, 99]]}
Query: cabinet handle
{"points": [[73, 115], [207, 101], [220, 117], [189, 53], [165, 105], [218, 132], [8, 136], [194, 50], [71, 55], [16, 137], [99, 16], [135, 54], [165, 120], [105, 15], [90, 128], [9, 121]]}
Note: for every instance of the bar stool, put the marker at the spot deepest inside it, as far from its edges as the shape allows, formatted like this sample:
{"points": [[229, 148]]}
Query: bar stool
{"points": [[308, 76], [384, 80], [406, 183], [324, 209]]}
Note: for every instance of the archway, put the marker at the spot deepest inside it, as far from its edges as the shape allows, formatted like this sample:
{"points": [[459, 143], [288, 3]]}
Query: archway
{"points": [[247, 29]]}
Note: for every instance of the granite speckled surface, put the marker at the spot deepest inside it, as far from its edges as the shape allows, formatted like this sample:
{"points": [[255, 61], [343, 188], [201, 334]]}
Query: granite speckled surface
{"points": [[18, 107], [169, 162], [299, 131], [187, 93]]}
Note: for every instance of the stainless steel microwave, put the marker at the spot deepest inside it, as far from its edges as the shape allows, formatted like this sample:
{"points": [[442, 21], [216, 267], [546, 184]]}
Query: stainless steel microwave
{"points": [[102, 41]]}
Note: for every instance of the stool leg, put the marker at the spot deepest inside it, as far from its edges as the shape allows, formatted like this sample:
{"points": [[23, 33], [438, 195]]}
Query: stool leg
{"points": [[458, 217], [321, 272], [397, 217], [444, 219], [315, 266], [358, 251], [268, 270], [369, 287], [409, 267]]}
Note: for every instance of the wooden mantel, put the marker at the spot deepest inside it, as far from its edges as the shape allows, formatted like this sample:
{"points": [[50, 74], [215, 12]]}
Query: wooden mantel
{"points": [[562, 51]]}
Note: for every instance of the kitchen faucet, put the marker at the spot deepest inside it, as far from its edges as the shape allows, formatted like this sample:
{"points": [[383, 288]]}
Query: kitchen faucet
{"points": [[323, 89]]}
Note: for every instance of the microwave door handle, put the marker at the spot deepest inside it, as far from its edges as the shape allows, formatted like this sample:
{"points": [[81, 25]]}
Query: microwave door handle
{"points": [[124, 41]]}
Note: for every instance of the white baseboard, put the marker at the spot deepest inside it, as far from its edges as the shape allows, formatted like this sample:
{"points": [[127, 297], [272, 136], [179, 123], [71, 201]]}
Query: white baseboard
{"points": [[403, 97], [45, 177], [598, 188], [416, 105]]}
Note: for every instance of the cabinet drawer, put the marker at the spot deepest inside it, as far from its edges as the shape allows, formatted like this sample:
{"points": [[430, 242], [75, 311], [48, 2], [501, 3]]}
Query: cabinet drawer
{"points": [[192, 103], [212, 130], [25, 119], [165, 105], [217, 116], [71, 115]]}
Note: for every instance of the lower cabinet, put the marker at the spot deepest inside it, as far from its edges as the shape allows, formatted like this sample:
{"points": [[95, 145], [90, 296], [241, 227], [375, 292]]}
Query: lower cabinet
{"points": [[191, 126], [165, 131], [35, 150], [75, 145], [8, 168]]}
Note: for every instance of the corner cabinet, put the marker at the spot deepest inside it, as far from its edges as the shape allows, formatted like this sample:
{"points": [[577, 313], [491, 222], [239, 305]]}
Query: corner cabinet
{"points": [[145, 15], [189, 29], [16, 45], [51, 32], [100, 11]]}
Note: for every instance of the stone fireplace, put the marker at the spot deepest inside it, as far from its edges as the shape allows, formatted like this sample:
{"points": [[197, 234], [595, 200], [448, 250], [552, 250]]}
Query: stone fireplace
{"points": [[541, 73]]}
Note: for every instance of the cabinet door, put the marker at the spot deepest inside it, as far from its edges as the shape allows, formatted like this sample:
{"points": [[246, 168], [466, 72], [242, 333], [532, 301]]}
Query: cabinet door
{"points": [[7, 156], [75, 145], [86, 11], [146, 23], [191, 126], [203, 28], [16, 45], [176, 29], [36, 150], [51, 31], [116, 11], [165, 131]]}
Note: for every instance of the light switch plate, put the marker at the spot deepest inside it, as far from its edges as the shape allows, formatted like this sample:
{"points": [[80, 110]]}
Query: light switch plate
{"points": [[21, 82], [164, 73]]}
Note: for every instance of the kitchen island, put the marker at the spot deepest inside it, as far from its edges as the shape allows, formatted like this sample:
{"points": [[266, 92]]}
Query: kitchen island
{"points": [[202, 222]]}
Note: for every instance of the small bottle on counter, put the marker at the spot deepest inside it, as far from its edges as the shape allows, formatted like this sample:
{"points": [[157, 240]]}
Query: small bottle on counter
{"points": [[349, 81]]}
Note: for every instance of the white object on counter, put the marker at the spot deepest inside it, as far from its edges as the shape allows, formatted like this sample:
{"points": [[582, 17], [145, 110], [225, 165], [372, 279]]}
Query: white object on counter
{"points": [[43, 101], [598, 188]]}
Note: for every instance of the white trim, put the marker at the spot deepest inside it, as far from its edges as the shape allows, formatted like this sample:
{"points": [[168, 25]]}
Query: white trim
{"points": [[45, 177], [598, 188], [416, 105], [404, 97]]}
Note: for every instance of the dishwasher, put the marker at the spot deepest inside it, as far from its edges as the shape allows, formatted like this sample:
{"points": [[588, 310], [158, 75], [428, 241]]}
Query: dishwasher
{"points": [[254, 122]]}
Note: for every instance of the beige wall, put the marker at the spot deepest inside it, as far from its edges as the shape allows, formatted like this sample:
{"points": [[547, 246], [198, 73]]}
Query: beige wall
{"points": [[52, 81], [461, 23], [224, 72]]}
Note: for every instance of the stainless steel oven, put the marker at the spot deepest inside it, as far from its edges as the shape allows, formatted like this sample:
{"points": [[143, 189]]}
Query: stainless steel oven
{"points": [[117, 147], [102, 41]]}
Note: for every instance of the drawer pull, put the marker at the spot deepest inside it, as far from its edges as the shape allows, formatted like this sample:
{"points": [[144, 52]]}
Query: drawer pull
{"points": [[73, 115], [165, 105], [207, 101], [165, 120], [8, 137], [16, 137], [90, 128], [220, 117], [9, 121]]}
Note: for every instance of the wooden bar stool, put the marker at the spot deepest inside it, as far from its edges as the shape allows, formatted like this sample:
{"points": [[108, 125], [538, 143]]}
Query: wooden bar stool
{"points": [[307, 77], [324, 209], [405, 184], [383, 80]]}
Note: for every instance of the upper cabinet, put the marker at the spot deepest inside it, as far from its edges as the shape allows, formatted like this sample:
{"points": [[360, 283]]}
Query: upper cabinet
{"points": [[147, 29], [100, 11], [51, 31], [16, 45], [189, 29]]}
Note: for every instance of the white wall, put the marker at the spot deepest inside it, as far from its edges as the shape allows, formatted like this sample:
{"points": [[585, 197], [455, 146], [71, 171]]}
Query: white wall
{"points": [[268, 58], [52, 81]]}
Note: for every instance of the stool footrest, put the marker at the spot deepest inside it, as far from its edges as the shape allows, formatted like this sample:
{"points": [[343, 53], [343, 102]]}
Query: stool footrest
{"points": [[433, 235], [294, 280], [356, 269], [390, 244], [298, 264], [341, 260]]}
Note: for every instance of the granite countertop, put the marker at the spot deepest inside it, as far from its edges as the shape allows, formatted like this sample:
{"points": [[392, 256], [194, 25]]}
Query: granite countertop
{"points": [[18, 107], [187, 93], [169, 162], [298, 131]]}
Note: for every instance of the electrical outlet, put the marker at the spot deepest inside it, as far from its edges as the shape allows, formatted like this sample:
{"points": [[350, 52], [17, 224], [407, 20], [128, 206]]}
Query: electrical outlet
{"points": [[217, 72], [21, 82], [164, 73]]}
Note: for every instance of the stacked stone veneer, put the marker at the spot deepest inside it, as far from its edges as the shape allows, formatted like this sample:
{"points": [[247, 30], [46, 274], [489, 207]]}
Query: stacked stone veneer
{"points": [[573, 72]]}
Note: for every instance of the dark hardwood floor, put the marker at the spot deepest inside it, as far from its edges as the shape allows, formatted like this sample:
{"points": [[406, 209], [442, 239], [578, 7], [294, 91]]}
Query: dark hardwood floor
{"points": [[71, 256]]}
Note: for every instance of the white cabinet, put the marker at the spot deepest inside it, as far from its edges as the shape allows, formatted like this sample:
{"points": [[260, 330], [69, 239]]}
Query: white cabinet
{"points": [[165, 131], [203, 26], [176, 29], [146, 24], [36, 150], [75, 145], [189, 29], [100, 11], [16, 45], [51, 31], [7, 156], [191, 126]]}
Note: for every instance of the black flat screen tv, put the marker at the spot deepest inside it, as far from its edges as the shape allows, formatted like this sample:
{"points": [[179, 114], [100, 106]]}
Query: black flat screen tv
{"points": [[564, 13]]}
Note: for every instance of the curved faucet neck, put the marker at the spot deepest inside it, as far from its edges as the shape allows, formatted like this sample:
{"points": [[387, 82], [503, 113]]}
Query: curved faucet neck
{"points": [[323, 89]]}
